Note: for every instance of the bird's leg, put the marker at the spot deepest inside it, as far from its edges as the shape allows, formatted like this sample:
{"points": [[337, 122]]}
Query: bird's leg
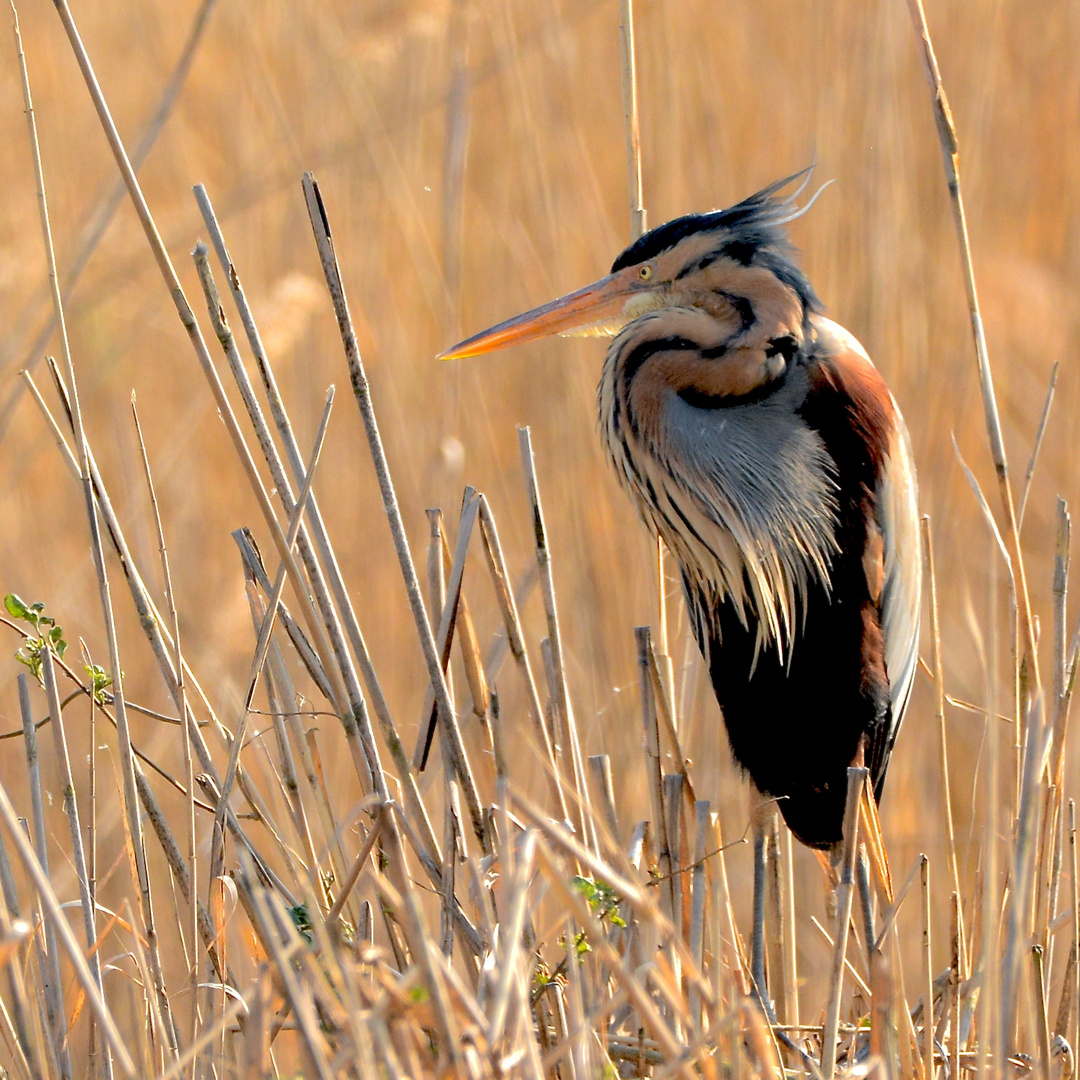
{"points": [[866, 898], [762, 816]]}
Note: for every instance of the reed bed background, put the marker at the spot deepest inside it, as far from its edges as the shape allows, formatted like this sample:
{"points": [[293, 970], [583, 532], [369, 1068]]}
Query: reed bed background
{"points": [[472, 161]]}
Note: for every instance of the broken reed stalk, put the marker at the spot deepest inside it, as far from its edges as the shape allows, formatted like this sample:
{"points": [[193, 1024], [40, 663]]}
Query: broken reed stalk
{"points": [[504, 594], [263, 643], [194, 333], [564, 714], [444, 638], [950, 151], [130, 798], [324, 242], [327, 559]]}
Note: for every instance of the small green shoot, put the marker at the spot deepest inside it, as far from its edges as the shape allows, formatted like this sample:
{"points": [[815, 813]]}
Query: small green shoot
{"points": [[46, 634]]}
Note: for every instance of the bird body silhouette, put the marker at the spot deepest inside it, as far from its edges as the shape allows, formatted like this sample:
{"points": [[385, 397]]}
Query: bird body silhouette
{"points": [[757, 438]]}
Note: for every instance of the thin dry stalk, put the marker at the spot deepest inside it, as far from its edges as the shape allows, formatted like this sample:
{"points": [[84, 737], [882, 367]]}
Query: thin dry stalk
{"points": [[633, 134], [320, 225], [928, 973], [939, 691], [1040, 434], [469, 645], [444, 639], [52, 991], [150, 620], [1060, 658], [58, 921], [653, 767], [127, 758], [567, 725], [789, 963], [189, 765], [16, 931], [510, 968], [71, 810], [516, 641], [600, 764], [224, 791], [950, 150], [319, 536], [699, 894]]}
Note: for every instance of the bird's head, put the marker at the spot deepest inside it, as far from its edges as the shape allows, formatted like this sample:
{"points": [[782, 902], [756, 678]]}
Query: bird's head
{"points": [[734, 266]]}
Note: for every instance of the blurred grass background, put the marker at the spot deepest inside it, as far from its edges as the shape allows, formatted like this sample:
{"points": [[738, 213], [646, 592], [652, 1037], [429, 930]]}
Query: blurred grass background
{"points": [[472, 158]]}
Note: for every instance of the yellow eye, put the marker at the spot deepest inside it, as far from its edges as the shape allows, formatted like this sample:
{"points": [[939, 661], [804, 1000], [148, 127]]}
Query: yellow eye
{"points": [[645, 273]]}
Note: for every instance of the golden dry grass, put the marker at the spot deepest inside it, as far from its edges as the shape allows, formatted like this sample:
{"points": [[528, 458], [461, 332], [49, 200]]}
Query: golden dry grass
{"points": [[731, 97]]}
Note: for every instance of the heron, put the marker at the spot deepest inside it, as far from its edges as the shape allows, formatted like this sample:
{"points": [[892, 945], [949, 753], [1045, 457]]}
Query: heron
{"points": [[756, 437]]}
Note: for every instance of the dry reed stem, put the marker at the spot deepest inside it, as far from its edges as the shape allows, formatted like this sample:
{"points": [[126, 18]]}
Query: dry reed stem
{"points": [[263, 643], [130, 798], [189, 768], [951, 158], [560, 695], [1040, 435], [320, 225], [49, 958], [504, 594], [469, 645], [1060, 711], [150, 620], [444, 638], [939, 692], [320, 538], [57, 922], [71, 810], [633, 135]]}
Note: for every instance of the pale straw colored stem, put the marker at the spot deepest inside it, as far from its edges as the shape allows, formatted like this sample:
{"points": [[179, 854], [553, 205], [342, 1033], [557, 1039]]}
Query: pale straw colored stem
{"points": [[938, 665], [444, 638], [71, 810], [951, 157], [516, 641], [58, 921], [49, 957], [559, 690], [1040, 434], [130, 800], [181, 689], [320, 225], [266, 630]]}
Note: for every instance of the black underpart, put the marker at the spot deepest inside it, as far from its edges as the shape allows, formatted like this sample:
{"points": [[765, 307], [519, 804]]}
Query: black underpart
{"points": [[795, 727], [795, 722]]}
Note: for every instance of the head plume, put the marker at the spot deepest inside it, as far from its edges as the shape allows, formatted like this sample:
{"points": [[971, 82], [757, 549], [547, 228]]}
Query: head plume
{"points": [[750, 232]]}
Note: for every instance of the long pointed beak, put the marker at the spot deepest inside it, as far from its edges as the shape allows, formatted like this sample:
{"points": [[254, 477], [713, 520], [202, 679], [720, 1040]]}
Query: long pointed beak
{"points": [[599, 304]]}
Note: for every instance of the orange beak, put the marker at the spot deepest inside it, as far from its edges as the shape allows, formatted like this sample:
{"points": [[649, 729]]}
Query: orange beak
{"points": [[600, 308]]}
